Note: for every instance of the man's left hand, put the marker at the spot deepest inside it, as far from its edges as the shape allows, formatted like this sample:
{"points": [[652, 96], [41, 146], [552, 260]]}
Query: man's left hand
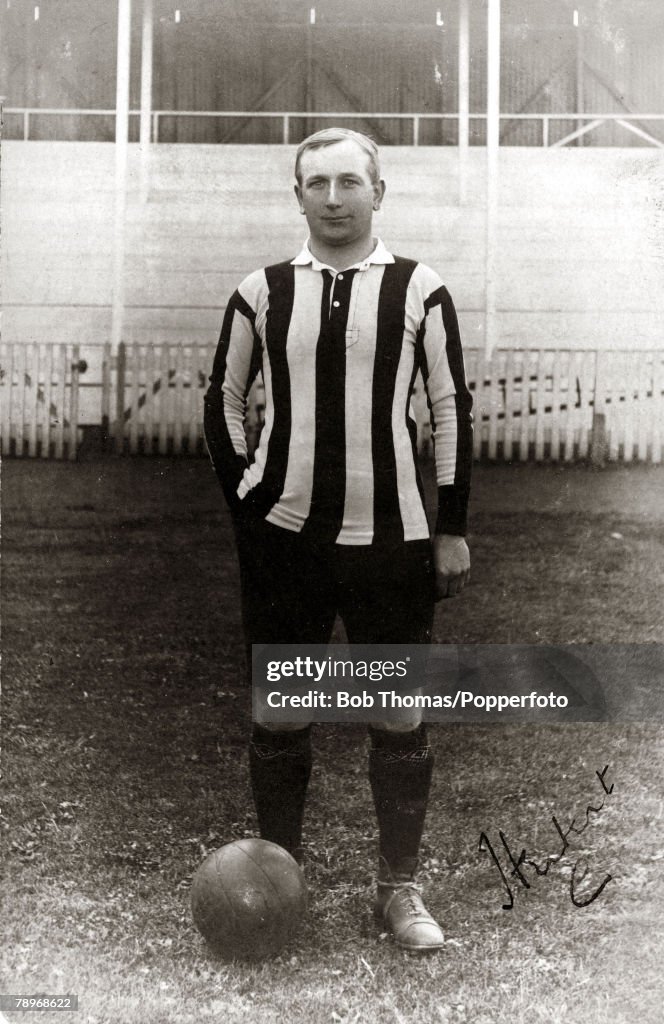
{"points": [[452, 564]]}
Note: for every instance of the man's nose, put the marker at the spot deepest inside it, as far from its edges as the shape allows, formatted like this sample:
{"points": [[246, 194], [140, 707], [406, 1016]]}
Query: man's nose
{"points": [[333, 198]]}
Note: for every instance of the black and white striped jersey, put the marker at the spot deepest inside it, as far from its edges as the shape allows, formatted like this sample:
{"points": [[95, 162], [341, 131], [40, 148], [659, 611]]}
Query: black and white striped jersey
{"points": [[339, 353]]}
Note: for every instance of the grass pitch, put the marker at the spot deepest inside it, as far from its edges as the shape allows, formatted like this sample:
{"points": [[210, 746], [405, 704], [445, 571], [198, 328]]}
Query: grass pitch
{"points": [[124, 732]]}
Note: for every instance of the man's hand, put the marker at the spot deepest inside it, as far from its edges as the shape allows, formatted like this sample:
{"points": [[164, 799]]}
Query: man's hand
{"points": [[451, 560]]}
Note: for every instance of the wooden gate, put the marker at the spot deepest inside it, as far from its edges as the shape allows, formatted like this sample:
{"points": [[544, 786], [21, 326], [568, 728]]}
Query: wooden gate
{"points": [[568, 405], [153, 397], [39, 391]]}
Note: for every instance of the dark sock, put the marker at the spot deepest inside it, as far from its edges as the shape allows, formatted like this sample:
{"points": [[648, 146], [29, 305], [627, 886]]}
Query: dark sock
{"points": [[280, 766], [400, 770]]}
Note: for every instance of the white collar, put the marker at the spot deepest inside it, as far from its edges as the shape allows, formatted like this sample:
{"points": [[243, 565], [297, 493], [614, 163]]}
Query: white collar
{"points": [[379, 255]]}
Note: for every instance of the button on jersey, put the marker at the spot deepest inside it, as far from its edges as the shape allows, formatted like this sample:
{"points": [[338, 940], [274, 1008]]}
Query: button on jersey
{"points": [[339, 354]]}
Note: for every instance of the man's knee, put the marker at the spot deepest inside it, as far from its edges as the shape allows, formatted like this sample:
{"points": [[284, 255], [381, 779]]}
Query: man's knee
{"points": [[283, 726]]}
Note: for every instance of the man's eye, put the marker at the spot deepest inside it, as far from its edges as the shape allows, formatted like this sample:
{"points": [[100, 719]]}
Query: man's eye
{"points": [[350, 182]]}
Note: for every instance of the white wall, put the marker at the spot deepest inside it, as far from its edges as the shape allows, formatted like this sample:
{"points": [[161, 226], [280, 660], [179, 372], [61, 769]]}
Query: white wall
{"points": [[581, 235]]}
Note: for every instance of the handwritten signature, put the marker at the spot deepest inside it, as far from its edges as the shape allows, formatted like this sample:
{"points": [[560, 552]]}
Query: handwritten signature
{"points": [[541, 870]]}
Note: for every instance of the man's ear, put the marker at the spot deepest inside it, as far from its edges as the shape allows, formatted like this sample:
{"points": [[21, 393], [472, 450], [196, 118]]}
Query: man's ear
{"points": [[298, 194], [379, 193]]}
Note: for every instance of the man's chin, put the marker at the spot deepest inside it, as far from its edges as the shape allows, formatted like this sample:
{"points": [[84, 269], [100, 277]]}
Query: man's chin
{"points": [[338, 243], [337, 238]]}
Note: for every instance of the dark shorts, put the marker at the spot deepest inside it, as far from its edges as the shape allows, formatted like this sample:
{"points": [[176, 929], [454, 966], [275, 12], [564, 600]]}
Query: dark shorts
{"points": [[293, 587]]}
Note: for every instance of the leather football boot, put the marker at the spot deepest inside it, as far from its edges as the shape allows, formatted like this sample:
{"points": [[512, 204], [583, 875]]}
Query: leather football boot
{"points": [[401, 907]]}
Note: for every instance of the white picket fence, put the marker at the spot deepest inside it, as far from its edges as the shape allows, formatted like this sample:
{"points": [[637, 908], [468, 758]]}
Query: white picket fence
{"points": [[564, 405], [541, 405], [39, 392]]}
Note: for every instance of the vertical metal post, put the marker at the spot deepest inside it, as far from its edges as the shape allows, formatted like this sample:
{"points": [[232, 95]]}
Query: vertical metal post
{"points": [[580, 65], [464, 99], [121, 152], [146, 73], [309, 69], [146, 94], [492, 169], [32, 63]]}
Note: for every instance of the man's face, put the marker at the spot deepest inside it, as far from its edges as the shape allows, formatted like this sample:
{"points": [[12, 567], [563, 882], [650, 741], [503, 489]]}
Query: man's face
{"points": [[336, 193]]}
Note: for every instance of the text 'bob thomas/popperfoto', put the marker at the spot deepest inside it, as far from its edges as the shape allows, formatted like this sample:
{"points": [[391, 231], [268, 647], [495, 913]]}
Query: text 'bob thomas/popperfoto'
{"points": [[444, 682], [391, 700]]}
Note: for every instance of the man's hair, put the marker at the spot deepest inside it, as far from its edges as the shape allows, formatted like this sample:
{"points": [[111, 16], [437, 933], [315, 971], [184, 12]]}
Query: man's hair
{"points": [[328, 136]]}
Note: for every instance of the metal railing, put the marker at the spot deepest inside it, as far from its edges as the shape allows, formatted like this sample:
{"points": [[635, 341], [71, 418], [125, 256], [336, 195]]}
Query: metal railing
{"points": [[630, 122]]}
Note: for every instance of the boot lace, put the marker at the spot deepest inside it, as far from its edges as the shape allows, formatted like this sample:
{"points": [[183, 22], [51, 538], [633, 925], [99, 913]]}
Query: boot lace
{"points": [[408, 894]]}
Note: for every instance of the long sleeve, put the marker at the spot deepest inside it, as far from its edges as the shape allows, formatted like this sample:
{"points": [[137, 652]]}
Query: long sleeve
{"points": [[236, 363], [450, 403]]}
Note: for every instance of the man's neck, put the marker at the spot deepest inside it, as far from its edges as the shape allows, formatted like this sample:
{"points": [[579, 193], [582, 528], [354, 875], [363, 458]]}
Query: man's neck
{"points": [[342, 257]]}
